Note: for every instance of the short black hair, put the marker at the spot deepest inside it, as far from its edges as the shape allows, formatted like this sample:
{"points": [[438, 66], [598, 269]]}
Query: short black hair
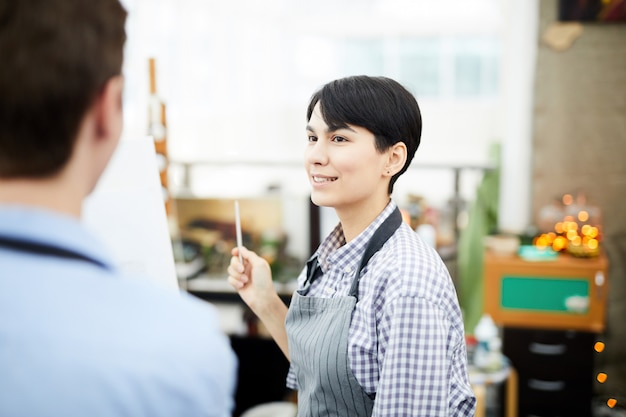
{"points": [[379, 104], [57, 55]]}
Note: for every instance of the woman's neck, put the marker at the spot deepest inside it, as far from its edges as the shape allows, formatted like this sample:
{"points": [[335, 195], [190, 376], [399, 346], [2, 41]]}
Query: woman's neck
{"points": [[356, 220]]}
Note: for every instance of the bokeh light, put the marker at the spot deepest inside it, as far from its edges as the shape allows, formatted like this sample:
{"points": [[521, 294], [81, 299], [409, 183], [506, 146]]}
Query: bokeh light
{"points": [[568, 199], [572, 234], [602, 377]]}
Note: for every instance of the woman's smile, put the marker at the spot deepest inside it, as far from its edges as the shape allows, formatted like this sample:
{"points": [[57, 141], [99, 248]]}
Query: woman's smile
{"points": [[319, 179]]}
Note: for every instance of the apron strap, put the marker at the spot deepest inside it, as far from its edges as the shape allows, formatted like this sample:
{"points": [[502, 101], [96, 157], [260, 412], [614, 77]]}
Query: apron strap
{"points": [[382, 234], [46, 250], [313, 270]]}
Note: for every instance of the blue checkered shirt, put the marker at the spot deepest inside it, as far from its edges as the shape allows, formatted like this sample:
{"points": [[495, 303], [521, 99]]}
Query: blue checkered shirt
{"points": [[406, 341]]}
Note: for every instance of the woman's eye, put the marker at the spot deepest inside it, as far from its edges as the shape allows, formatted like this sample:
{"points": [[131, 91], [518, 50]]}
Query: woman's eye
{"points": [[312, 138], [339, 139]]}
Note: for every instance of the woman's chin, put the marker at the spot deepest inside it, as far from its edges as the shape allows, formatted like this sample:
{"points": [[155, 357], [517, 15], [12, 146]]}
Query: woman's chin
{"points": [[319, 200]]}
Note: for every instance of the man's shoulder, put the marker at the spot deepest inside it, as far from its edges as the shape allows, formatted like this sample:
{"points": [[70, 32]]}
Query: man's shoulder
{"points": [[118, 331]]}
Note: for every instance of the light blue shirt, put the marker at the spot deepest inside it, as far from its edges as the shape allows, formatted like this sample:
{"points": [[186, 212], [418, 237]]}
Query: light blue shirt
{"points": [[78, 339]]}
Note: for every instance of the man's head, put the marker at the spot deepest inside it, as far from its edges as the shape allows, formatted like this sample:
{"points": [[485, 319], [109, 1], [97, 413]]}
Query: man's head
{"points": [[57, 58], [378, 104]]}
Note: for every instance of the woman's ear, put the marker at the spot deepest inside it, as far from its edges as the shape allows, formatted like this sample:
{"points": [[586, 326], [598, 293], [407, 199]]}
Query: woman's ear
{"points": [[397, 158]]}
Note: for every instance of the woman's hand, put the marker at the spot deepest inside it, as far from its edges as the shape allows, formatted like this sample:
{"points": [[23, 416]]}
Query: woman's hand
{"points": [[252, 280]]}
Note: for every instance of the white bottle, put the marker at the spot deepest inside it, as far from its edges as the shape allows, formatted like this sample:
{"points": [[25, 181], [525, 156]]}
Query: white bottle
{"points": [[486, 334], [494, 361]]}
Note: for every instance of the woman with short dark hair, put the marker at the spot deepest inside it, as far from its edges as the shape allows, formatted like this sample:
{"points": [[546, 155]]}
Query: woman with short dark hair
{"points": [[375, 328]]}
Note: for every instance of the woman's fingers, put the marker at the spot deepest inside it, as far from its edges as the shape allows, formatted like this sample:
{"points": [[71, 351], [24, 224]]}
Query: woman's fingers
{"points": [[235, 270], [236, 283], [255, 270]]}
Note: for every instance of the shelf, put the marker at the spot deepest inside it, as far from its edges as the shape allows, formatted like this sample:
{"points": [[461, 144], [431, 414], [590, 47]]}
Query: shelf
{"points": [[216, 288]]}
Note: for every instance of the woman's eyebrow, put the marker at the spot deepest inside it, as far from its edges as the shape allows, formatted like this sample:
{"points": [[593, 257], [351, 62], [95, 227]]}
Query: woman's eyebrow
{"points": [[332, 129]]}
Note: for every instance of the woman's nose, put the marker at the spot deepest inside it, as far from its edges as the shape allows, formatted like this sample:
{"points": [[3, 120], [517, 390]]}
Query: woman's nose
{"points": [[316, 153]]}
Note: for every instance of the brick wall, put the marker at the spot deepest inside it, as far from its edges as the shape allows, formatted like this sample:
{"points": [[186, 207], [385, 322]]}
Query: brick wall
{"points": [[579, 143]]}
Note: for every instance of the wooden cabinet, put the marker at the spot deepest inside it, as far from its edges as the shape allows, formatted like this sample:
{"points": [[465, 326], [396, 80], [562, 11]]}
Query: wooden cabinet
{"points": [[566, 293], [550, 313], [555, 371]]}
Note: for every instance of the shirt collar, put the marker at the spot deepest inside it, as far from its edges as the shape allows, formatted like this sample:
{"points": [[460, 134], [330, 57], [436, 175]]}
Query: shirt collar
{"points": [[334, 252], [54, 229]]}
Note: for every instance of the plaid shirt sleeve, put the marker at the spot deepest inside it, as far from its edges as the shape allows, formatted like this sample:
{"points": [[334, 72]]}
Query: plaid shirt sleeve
{"points": [[419, 375]]}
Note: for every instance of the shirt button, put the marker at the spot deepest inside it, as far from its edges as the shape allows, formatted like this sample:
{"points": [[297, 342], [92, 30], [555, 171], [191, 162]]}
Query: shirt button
{"points": [[348, 270], [329, 290]]}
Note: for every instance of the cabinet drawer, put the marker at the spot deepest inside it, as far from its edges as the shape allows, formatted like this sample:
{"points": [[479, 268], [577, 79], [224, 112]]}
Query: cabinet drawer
{"points": [[552, 412], [555, 393], [541, 348], [555, 370]]}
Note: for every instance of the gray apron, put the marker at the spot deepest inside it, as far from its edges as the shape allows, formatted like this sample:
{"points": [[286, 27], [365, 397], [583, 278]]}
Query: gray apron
{"points": [[317, 330]]}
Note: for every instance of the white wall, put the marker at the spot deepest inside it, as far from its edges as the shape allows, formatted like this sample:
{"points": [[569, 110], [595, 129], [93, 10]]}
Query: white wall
{"points": [[236, 77], [518, 78]]}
